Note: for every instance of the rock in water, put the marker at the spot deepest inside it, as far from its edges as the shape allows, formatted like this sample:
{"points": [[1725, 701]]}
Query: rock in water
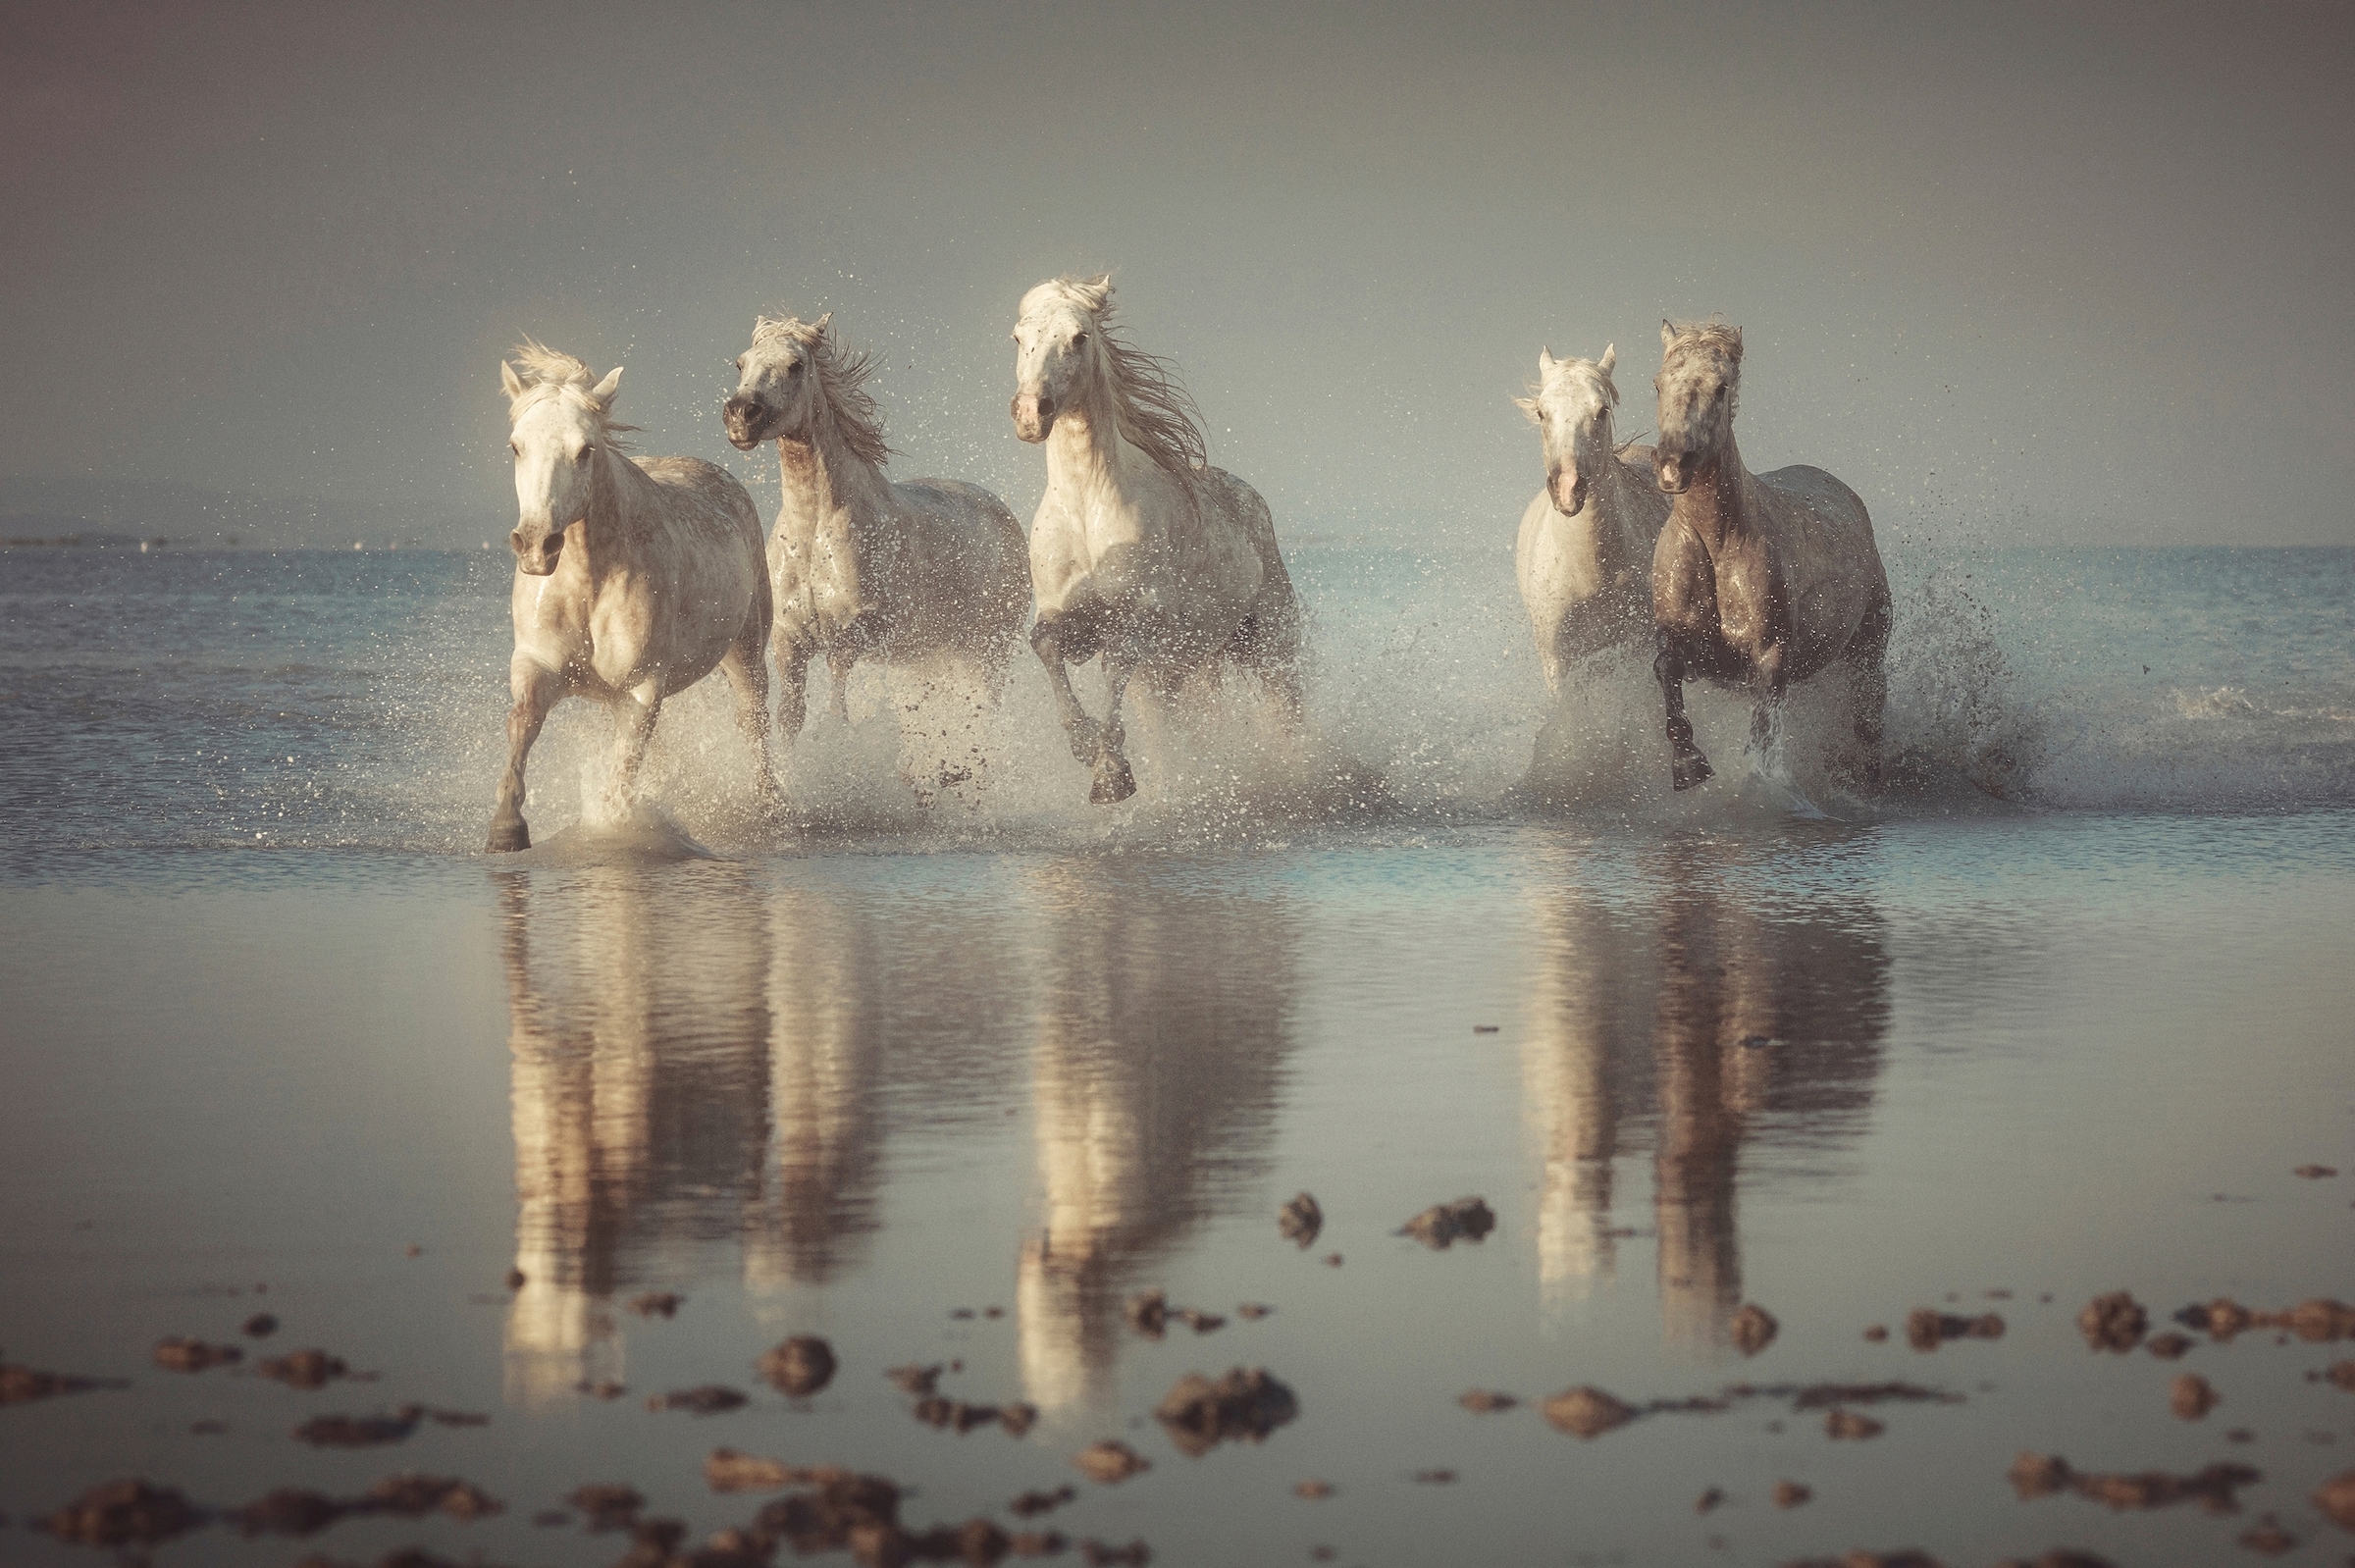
{"points": [[2190, 1396], [1440, 1226], [2336, 1497], [1753, 1329], [1300, 1220], [2113, 1321], [1202, 1414], [799, 1367], [124, 1513], [1587, 1412], [1111, 1461]]}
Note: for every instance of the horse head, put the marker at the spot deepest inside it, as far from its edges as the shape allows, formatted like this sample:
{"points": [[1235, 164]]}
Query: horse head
{"points": [[1056, 343], [1572, 410], [560, 421], [1699, 383], [778, 392]]}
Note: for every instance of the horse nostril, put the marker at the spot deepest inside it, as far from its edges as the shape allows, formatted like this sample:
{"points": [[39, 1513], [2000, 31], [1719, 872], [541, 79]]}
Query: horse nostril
{"points": [[1046, 407], [515, 540]]}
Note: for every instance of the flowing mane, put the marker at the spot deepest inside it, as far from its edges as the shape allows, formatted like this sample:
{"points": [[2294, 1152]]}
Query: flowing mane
{"points": [[1155, 412], [550, 373], [841, 379]]}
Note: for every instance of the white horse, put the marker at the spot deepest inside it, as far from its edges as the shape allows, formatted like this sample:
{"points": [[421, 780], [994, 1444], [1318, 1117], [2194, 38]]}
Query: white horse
{"points": [[1584, 557], [858, 566], [634, 576], [1141, 551]]}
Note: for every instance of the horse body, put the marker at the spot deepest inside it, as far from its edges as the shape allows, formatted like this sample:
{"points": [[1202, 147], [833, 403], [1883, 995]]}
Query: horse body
{"points": [[1141, 551], [634, 577], [1584, 548], [1761, 580], [860, 567]]}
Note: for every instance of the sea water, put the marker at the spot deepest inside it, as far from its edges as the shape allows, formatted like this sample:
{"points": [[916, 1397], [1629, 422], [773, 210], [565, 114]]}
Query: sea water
{"points": [[2062, 1011]]}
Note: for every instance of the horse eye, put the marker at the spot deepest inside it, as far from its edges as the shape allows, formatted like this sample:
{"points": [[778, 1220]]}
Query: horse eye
{"points": [[1078, 339]]}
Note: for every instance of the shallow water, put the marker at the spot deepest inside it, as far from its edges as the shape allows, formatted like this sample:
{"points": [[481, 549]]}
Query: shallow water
{"points": [[270, 1023]]}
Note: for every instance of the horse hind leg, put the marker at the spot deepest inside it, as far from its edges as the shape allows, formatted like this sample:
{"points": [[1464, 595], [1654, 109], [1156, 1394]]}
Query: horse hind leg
{"points": [[1687, 767], [1868, 659]]}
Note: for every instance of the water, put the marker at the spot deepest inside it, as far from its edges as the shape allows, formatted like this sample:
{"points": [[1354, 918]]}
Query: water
{"points": [[271, 1022]]}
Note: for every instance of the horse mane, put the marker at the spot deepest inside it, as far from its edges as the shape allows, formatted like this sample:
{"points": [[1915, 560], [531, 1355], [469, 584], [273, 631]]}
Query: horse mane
{"points": [[1152, 405], [841, 380], [551, 372]]}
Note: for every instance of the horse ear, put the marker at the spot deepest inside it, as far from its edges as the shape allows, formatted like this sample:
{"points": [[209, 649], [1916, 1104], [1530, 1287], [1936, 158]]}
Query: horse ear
{"points": [[1545, 362], [1667, 332], [1529, 406], [1611, 357], [509, 382], [819, 325], [605, 392]]}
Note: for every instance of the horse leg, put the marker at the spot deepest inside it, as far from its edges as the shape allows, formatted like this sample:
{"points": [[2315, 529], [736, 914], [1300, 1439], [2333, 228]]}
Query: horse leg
{"points": [[635, 712], [1767, 678], [1114, 782], [1687, 767], [1083, 733], [746, 670], [838, 672], [793, 688], [537, 690]]}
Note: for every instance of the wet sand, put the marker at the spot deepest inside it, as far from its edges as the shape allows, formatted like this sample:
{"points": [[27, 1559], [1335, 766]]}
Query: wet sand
{"points": [[461, 1129]]}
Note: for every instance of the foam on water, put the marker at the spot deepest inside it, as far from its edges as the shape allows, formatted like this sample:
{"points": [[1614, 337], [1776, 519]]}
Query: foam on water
{"points": [[195, 700]]}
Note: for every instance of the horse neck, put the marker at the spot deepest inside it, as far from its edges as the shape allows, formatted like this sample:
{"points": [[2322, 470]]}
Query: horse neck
{"points": [[617, 501], [822, 476], [1090, 453], [1715, 506]]}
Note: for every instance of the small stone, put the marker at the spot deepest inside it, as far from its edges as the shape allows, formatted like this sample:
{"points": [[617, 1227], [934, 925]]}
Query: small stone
{"points": [[1927, 1329], [287, 1511], [1485, 1028], [193, 1355], [1200, 1414], [1876, 1334], [359, 1432], [1030, 1504], [1199, 1321], [1435, 1478], [914, 1379], [1442, 1224], [261, 1326], [1753, 1329], [992, 1312], [726, 1470], [303, 1369], [656, 1304], [2267, 1537], [2316, 1173], [1587, 1412], [1098, 1554], [2113, 1321], [1790, 1493], [1331, 1260], [1148, 1313], [416, 1251], [2342, 1373], [124, 1513], [1110, 1461], [799, 1367], [1312, 1490], [2190, 1396], [1252, 1310], [709, 1399], [608, 1505], [1300, 1220], [1485, 1400], [2336, 1497], [517, 1280], [2170, 1346], [1841, 1424], [1708, 1500]]}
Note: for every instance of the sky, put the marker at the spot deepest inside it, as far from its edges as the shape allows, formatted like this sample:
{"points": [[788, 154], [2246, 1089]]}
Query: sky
{"points": [[2019, 274]]}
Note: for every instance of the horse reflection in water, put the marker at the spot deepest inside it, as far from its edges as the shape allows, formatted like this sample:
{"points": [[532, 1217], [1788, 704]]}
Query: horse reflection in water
{"points": [[694, 1066], [1163, 1016], [1720, 1026]]}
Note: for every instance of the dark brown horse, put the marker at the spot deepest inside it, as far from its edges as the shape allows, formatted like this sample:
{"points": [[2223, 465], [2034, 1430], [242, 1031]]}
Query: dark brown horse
{"points": [[1758, 580]]}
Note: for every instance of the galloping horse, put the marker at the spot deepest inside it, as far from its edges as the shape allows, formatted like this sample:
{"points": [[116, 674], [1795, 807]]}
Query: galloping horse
{"points": [[858, 566], [1758, 579], [1141, 551], [1587, 538], [634, 576]]}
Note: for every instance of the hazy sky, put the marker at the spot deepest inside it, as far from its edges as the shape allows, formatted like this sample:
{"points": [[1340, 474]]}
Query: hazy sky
{"points": [[2045, 273]]}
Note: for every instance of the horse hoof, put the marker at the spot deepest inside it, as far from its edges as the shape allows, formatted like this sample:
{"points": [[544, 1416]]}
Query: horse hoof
{"points": [[1114, 782], [507, 836], [1688, 772]]}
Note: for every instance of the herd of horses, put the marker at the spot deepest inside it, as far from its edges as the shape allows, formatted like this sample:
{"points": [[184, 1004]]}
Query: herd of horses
{"points": [[635, 577]]}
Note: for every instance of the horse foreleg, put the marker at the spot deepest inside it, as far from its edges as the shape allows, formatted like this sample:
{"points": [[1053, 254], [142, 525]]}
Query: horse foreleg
{"points": [[748, 673], [1114, 782], [1687, 767], [1767, 679], [838, 679], [793, 687], [1869, 690], [1083, 733], [536, 690], [633, 714]]}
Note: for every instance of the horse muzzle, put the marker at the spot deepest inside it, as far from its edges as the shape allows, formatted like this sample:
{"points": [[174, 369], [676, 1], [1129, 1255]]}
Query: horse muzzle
{"points": [[1674, 475], [1033, 416], [1569, 491], [745, 421], [535, 556]]}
